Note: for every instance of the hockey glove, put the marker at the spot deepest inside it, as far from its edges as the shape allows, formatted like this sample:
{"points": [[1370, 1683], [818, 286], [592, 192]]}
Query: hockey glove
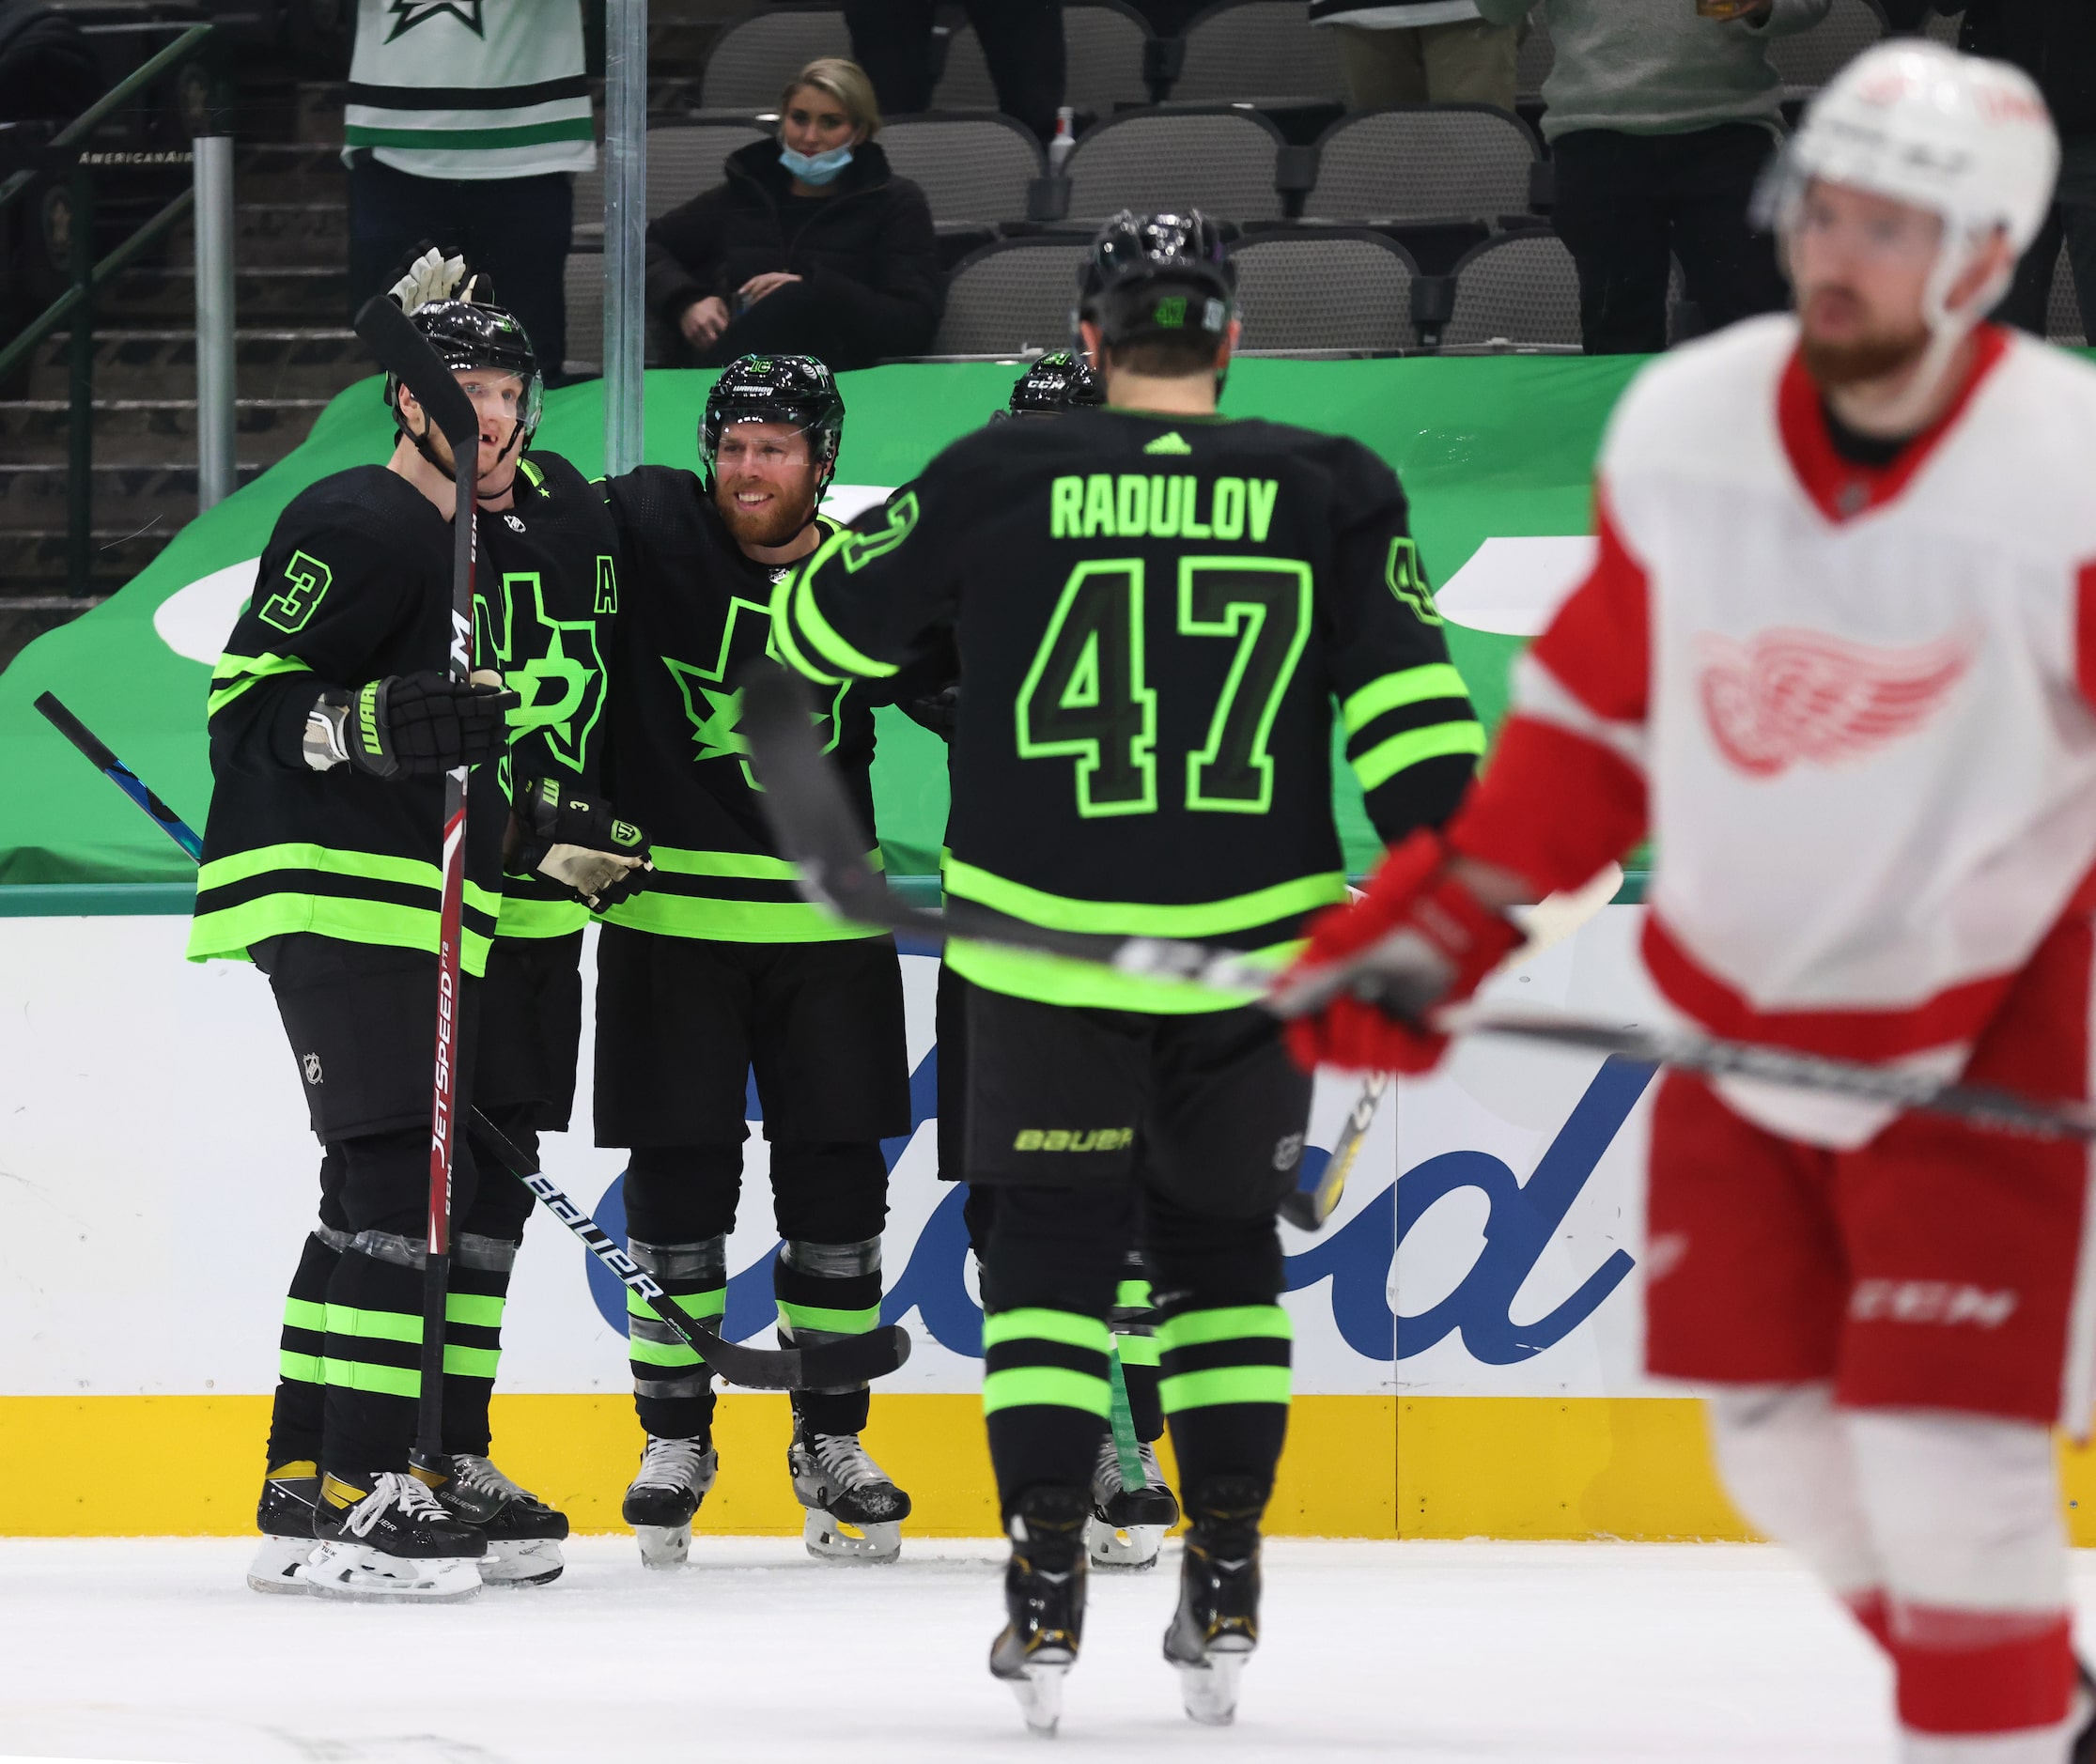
{"points": [[1436, 941], [426, 275], [409, 725], [578, 841]]}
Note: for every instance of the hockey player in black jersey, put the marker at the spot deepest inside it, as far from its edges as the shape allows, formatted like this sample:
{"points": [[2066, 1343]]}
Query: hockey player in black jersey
{"points": [[722, 968], [331, 725], [1155, 610]]}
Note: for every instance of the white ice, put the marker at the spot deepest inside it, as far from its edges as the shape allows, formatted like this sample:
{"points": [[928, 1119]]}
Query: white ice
{"points": [[1431, 1653]]}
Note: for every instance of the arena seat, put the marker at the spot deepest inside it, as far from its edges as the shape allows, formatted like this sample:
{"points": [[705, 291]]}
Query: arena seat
{"points": [[1338, 290], [1519, 288], [1417, 161], [1259, 52], [1223, 162], [1012, 297], [1811, 58], [1104, 43], [2063, 312], [583, 283], [682, 160], [1534, 60], [758, 54], [974, 170]]}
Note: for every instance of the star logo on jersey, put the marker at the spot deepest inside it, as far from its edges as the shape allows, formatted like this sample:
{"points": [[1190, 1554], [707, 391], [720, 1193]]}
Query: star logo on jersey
{"points": [[561, 687], [714, 710], [1788, 697], [407, 14]]}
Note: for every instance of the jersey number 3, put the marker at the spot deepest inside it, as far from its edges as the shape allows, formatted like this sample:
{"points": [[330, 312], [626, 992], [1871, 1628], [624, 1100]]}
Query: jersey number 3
{"points": [[1084, 697]]}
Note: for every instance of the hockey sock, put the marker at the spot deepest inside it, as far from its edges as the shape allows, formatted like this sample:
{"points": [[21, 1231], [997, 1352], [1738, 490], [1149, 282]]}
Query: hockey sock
{"points": [[1046, 1396], [296, 1415], [374, 1356], [825, 1291], [672, 1393], [1225, 1389], [480, 1270]]}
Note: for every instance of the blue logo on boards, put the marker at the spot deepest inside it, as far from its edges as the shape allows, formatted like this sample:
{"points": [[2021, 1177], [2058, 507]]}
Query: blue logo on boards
{"points": [[1356, 1258]]}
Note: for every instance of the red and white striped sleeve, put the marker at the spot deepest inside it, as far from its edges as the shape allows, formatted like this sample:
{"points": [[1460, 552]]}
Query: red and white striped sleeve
{"points": [[1564, 790]]}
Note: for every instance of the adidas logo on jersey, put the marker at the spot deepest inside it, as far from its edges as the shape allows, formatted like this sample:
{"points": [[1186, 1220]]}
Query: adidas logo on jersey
{"points": [[1173, 442]]}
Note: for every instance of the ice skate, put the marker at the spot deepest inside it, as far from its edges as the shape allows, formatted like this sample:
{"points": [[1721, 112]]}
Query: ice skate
{"points": [[523, 1533], [855, 1512], [1127, 1525], [674, 1479], [2083, 1748], [395, 1542], [284, 1516], [1217, 1625], [1044, 1602]]}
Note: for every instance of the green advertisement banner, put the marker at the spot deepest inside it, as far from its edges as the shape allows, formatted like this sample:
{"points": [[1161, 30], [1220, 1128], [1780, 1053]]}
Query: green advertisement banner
{"points": [[1485, 447]]}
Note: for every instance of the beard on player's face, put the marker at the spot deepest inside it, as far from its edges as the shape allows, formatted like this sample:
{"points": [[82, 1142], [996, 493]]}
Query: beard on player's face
{"points": [[764, 490], [1843, 343]]}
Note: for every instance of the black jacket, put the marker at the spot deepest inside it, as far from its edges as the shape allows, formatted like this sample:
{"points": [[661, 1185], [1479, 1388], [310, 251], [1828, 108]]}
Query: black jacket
{"points": [[2052, 40], [867, 253]]}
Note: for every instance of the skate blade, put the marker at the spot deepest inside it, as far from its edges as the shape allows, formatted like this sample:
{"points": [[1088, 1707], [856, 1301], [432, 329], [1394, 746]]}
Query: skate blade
{"points": [[1129, 1548], [1209, 1690], [1039, 1690], [663, 1546], [832, 1539], [522, 1562], [276, 1564], [359, 1574]]}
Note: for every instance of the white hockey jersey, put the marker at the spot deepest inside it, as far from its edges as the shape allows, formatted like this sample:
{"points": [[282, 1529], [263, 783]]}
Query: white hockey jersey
{"points": [[1853, 707]]}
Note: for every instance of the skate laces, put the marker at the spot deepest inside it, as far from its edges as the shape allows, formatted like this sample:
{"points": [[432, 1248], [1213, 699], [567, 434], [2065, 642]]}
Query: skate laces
{"points": [[672, 1463], [481, 1476], [844, 1461], [395, 1489]]}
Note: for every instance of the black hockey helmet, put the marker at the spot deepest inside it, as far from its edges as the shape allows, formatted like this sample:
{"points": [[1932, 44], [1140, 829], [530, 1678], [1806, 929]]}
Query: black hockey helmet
{"points": [[1152, 275], [1055, 383], [464, 334], [796, 389]]}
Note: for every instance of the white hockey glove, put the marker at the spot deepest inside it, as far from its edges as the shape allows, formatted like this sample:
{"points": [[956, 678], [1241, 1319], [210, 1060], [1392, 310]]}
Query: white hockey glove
{"points": [[578, 841], [432, 276]]}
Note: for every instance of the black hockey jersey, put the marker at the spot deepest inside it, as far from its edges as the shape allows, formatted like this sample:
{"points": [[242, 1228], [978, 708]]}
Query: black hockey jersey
{"points": [[1155, 617], [356, 585], [695, 612], [546, 591]]}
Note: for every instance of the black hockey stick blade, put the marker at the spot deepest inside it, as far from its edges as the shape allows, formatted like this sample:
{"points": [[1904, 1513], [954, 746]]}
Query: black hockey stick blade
{"points": [[855, 1359], [1307, 1209], [405, 352]]}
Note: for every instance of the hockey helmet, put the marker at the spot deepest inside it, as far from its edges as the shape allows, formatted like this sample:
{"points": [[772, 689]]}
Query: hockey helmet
{"points": [[463, 335], [1969, 140], [1155, 275], [1055, 383], [795, 389]]}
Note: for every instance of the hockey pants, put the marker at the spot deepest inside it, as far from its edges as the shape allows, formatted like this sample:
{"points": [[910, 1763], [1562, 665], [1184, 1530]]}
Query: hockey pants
{"points": [[1941, 1532]]}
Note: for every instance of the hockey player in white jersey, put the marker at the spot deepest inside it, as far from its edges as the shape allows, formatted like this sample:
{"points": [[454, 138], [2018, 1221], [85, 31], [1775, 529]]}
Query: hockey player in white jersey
{"points": [[1836, 655]]}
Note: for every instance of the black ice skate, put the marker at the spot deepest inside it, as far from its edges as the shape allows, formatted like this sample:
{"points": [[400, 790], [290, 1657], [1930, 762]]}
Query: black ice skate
{"points": [[855, 1512], [1044, 1601], [284, 1516], [2083, 1750], [523, 1533], [1127, 1525], [1217, 1625], [674, 1478], [388, 1540]]}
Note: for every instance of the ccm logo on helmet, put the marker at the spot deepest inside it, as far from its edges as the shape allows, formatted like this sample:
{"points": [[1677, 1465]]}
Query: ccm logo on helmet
{"points": [[1930, 1302]]}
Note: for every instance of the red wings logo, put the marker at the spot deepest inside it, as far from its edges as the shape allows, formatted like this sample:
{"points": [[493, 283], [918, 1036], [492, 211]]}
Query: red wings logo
{"points": [[1790, 695]]}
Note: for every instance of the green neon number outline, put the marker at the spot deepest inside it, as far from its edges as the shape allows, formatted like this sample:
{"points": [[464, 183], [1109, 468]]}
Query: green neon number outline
{"points": [[861, 548], [718, 730], [1407, 580], [1085, 750], [1244, 620], [288, 609], [568, 748]]}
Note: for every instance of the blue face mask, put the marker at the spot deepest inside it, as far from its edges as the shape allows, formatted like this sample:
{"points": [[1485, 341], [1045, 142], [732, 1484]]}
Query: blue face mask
{"points": [[818, 169]]}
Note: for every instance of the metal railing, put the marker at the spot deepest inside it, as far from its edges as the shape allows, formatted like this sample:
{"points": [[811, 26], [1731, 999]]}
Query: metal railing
{"points": [[211, 158]]}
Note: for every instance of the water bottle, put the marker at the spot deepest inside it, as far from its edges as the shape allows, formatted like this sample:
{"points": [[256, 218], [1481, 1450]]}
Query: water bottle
{"points": [[1064, 143]]}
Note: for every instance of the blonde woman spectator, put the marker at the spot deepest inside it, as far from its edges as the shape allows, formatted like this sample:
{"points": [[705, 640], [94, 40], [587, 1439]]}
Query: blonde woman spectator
{"points": [[811, 245]]}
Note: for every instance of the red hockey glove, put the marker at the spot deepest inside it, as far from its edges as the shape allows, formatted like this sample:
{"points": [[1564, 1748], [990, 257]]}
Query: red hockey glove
{"points": [[1440, 941]]}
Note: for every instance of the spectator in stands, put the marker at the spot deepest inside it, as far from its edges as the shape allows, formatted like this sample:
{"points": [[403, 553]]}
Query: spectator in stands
{"points": [[469, 132], [1023, 44], [1660, 115], [1421, 52], [2055, 42], [810, 246]]}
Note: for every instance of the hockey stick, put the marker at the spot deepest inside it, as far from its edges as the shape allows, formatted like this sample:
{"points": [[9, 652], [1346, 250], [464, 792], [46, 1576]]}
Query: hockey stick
{"points": [[814, 821], [405, 352], [846, 1362]]}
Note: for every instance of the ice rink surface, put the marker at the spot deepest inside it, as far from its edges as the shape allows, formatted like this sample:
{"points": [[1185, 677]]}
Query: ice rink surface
{"points": [[1433, 1653]]}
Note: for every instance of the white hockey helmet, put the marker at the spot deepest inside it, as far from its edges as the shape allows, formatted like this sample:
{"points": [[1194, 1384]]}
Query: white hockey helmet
{"points": [[1968, 139]]}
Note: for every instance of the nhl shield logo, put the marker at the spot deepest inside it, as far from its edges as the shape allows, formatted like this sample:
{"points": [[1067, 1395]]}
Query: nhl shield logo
{"points": [[311, 1066]]}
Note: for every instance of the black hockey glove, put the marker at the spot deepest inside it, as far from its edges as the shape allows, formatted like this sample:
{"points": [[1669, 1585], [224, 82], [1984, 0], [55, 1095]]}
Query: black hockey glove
{"points": [[939, 712], [409, 725], [579, 843]]}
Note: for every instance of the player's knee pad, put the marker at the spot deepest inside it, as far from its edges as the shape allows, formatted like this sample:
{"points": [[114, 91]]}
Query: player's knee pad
{"points": [[1213, 1261], [1964, 1509], [829, 1193], [1783, 1453], [382, 1182], [682, 1194]]}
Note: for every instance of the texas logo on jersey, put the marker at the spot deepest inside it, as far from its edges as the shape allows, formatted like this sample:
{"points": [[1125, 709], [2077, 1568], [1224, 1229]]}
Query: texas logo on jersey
{"points": [[1788, 696]]}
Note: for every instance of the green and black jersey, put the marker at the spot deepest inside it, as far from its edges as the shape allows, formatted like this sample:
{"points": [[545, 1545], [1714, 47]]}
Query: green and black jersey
{"points": [[698, 612], [1155, 619], [356, 585], [547, 592]]}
